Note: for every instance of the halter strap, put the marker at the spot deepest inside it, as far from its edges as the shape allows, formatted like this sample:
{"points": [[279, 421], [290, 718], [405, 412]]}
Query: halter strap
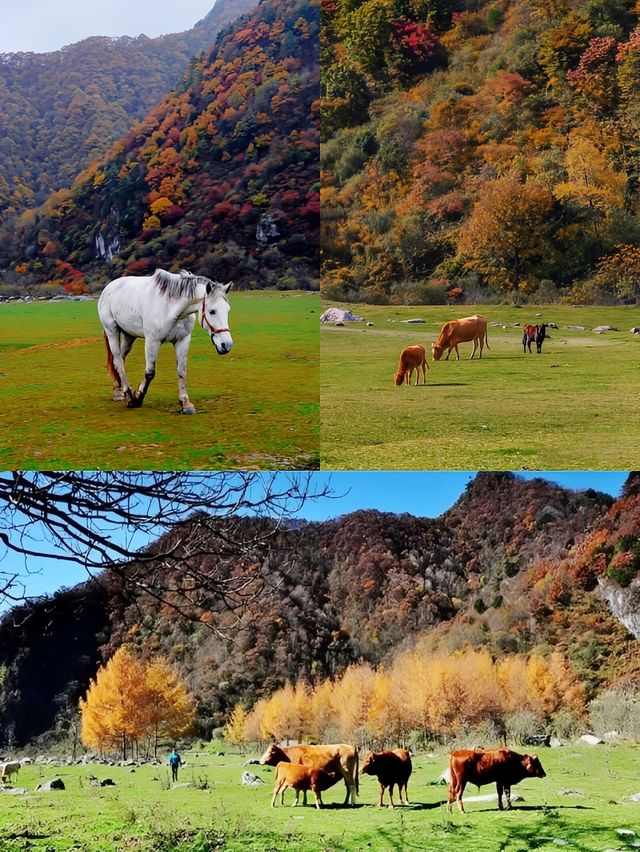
{"points": [[204, 321]]}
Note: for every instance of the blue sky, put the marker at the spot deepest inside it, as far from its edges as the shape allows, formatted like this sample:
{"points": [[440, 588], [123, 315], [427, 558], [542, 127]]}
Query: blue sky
{"points": [[43, 25], [423, 493]]}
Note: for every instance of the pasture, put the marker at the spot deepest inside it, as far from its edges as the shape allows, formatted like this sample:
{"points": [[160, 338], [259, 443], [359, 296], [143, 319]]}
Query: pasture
{"points": [[574, 406], [257, 407], [581, 805]]}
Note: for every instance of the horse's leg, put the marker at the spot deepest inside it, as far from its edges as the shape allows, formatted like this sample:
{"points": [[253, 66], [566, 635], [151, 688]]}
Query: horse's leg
{"points": [[182, 350], [126, 342], [116, 349], [151, 347]]}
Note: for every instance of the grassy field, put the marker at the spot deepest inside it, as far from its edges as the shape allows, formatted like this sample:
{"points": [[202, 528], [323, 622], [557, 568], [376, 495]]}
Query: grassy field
{"points": [[580, 805], [257, 407], [575, 406]]}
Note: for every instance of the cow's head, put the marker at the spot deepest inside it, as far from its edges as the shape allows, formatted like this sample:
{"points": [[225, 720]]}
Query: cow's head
{"points": [[436, 351], [533, 767], [368, 767], [273, 755], [399, 378]]}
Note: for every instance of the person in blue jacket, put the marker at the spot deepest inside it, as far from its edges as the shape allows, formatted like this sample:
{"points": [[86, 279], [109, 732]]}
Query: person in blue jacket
{"points": [[175, 762]]}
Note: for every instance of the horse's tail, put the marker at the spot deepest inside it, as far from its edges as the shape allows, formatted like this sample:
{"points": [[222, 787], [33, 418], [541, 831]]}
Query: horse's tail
{"points": [[110, 367]]}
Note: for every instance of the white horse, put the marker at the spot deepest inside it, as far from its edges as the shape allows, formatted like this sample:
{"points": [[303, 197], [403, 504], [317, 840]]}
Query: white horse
{"points": [[161, 308]]}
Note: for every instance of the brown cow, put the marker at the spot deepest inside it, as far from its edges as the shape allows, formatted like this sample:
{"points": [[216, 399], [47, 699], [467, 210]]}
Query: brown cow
{"points": [[304, 778], [390, 768], [411, 358], [320, 757], [499, 765], [461, 331]]}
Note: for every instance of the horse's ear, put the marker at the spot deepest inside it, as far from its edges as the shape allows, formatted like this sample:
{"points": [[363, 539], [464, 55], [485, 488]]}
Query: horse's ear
{"points": [[228, 286], [209, 287]]}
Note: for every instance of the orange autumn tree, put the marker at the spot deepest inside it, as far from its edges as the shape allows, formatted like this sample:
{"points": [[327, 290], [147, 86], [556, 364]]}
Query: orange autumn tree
{"points": [[171, 709], [129, 702]]}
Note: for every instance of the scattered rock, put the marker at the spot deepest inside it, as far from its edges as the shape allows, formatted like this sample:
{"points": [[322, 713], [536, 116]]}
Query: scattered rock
{"points": [[600, 329], [413, 321], [107, 782], [369, 324], [339, 315], [551, 325], [634, 797], [572, 793], [253, 762], [625, 832], [575, 327], [250, 780], [591, 740], [339, 323], [491, 797], [54, 784], [554, 742], [635, 330], [182, 786], [611, 735]]}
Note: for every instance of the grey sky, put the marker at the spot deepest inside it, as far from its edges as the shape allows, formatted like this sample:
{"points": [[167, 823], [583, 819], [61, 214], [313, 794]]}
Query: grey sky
{"points": [[44, 25]]}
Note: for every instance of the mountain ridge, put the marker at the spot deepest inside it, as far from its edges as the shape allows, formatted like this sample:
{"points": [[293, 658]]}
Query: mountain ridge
{"points": [[497, 570]]}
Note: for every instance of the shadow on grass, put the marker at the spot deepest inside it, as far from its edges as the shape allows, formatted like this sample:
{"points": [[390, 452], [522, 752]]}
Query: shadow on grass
{"points": [[554, 830]]}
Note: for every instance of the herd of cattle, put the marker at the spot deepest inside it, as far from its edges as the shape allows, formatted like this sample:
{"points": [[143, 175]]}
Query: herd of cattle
{"points": [[465, 330], [316, 768]]}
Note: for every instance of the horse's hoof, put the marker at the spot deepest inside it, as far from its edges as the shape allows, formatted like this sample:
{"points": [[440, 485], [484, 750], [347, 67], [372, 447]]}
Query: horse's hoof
{"points": [[189, 409]]}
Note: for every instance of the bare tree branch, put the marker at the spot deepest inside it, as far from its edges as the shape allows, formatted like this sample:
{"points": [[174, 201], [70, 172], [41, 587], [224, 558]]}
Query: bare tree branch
{"points": [[183, 538]]}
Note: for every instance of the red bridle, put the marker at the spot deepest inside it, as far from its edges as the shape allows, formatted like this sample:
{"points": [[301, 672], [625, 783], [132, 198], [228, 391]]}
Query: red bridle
{"points": [[204, 321]]}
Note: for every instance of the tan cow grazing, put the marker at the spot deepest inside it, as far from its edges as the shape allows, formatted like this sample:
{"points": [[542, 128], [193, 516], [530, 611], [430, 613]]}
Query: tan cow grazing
{"points": [[412, 358], [340, 756], [8, 769], [486, 766], [461, 331], [390, 768], [303, 778]]}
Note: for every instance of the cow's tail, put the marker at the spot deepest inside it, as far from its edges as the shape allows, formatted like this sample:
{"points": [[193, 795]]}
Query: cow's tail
{"points": [[110, 366], [486, 337], [356, 778]]}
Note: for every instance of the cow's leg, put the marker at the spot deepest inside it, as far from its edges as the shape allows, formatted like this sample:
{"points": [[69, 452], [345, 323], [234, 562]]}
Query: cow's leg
{"points": [[481, 341], [182, 350], [318, 796], [276, 790], [391, 805], [500, 788], [113, 339], [457, 352], [473, 348], [151, 347], [461, 786], [507, 793]]}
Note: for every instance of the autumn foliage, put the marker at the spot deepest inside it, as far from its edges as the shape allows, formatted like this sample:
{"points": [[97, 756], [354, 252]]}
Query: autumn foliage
{"points": [[131, 703], [506, 165], [433, 695]]}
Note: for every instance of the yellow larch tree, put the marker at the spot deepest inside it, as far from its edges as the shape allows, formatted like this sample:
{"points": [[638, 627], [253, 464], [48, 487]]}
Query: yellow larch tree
{"points": [[171, 709], [236, 729], [115, 709]]}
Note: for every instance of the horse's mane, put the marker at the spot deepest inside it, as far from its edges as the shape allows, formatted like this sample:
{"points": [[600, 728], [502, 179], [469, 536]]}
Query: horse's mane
{"points": [[176, 286]]}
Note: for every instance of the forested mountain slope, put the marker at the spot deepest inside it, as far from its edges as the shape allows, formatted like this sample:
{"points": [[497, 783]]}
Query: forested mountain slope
{"points": [[513, 566], [62, 109], [221, 177], [491, 146]]}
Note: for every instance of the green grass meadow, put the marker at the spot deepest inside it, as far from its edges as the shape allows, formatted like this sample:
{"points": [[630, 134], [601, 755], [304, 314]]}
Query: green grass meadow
{"points": [[257, 407], [580, 805], [575, 406]]}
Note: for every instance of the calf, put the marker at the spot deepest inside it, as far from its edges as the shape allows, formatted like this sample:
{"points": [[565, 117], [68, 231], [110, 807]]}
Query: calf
{"points": [[534, 333], [412, 358], [304, 778], [390, 768], [499, 765]]}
